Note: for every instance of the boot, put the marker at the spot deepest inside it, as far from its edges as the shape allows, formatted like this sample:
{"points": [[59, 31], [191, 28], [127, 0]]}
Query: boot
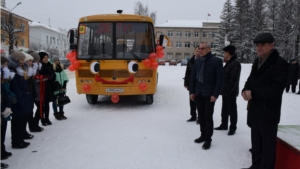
{"points": [[298, 92], [43, 121], [3, 165], [57, 116], [5, 155], [48, 122], [206, 145], [62, 115]]}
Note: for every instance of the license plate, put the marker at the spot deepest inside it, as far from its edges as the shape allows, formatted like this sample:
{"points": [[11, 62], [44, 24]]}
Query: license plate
{"points": [[114, 90]]}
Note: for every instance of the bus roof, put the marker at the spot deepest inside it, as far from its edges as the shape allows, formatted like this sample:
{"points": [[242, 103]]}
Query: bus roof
{"points": [[116, 17]]}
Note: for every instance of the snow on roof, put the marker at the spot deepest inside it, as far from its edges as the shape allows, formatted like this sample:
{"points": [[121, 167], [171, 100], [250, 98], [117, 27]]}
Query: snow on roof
{"points": [[8, 10], [185, 23], [38, 24]]}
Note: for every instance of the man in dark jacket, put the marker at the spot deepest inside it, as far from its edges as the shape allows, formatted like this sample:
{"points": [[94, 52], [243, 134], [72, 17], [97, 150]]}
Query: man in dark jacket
{"points": [[187, 78], [293, 75], [230, 90], [206, 83], [263, 91]]}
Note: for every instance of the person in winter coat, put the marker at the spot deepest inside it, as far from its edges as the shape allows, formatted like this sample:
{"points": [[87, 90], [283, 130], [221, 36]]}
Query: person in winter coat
{"points": [[44, 88], [293, 75], [23, 107], [5, 105], [187, 78], [61, 81], [230, 90], [34, 65], [263, 90], [206, 83]]}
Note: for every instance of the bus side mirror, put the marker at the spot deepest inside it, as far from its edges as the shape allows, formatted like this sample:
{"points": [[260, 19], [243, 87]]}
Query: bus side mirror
{"points": [[164, 41], [72, 34]]}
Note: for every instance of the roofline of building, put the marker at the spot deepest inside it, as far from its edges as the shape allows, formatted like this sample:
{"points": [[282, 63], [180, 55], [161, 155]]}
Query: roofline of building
{"points": [[16, 15]]}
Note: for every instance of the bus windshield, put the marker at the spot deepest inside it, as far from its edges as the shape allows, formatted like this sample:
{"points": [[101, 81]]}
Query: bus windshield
{"points": [[115, 40]]}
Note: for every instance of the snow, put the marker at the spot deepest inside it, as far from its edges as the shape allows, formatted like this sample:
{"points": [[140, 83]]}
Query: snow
{"points": [[133, 135], [184, 23]]}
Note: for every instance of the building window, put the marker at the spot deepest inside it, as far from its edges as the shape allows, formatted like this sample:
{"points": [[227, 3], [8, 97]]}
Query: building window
{"points": [[54, 40], [196, 44], [187, 33], [178, 56], [179, 34], [214, 45], [170, 55], [204, 35], [171, 45], [213, 34], [196, 34], [22, 42], [187, 44], [2, 20], [186, 56], [178, 44], [170, 33], [2, 38]]}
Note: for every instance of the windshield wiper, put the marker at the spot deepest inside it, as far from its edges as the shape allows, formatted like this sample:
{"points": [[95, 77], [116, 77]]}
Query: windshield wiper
{"points": [[93, 50], [132, 53]]}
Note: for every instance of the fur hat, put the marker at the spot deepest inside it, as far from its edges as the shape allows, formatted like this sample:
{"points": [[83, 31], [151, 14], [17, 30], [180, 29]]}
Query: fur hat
{"points": [[35, 55], [54, 58], [27, 57], [230, 49], [43, 54], [16, 55], [264, 38], [3, 59]]}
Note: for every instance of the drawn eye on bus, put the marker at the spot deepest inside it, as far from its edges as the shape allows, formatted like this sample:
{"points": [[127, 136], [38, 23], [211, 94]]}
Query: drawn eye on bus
{"points": [[133, 67], [95, 67]]}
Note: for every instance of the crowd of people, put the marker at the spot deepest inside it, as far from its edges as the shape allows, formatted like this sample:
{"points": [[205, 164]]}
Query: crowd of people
{"points": [[206, 78], [29, 79]]}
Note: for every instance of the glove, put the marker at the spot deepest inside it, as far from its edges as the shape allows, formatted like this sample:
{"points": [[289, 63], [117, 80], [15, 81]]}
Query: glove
{"points": [[20, 71], [12, 75], [6, 73], [6, 112], [30, 72], [40, 66]]}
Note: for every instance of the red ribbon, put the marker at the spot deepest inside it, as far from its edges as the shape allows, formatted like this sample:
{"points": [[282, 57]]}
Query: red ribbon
{"points": [[42, 91], [99, 79]]}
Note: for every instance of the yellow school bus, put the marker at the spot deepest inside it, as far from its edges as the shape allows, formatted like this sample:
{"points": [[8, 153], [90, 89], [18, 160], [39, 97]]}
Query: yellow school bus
{"points": [[111, 50]]}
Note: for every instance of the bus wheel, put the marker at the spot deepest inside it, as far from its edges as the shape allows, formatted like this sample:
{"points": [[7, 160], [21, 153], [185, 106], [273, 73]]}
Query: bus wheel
{"points": [[149, 98], [92, 99]]}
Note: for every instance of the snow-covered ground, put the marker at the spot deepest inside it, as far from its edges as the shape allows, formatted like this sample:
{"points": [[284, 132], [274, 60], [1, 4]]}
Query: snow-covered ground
{"points": [[132, 135]]}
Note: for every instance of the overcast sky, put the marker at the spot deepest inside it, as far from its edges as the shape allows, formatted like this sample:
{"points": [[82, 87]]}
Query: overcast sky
{"points": [[66, 13]]}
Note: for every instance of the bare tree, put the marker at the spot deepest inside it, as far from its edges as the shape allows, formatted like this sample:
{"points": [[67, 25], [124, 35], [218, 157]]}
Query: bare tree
{"points": [[11, 28], [141, 9], [34, 46]]}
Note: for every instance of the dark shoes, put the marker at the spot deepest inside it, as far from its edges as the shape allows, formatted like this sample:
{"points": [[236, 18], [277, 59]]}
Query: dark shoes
{"points": [[37, 129], [5, 155], [192, 119], [62, 115], [206, 145], [46, 122], [221, 128], [28, 136], [21, 145], [298, 92], [231, 132], [200, 139], [3, 165]]}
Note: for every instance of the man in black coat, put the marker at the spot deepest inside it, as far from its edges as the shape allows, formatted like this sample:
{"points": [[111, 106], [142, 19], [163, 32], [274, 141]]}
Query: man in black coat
{"points": [[263, 90], [206, 83], [293, 75], [187, 78], [230, 90]]}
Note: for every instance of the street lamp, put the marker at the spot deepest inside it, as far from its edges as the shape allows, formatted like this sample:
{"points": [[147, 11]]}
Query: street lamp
{"points": [[11, 40]]}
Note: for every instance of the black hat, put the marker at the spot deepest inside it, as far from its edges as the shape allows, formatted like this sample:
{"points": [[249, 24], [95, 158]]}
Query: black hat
{"points": [[264, 38], [230, 49], [292, 60], [43, 54]]}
